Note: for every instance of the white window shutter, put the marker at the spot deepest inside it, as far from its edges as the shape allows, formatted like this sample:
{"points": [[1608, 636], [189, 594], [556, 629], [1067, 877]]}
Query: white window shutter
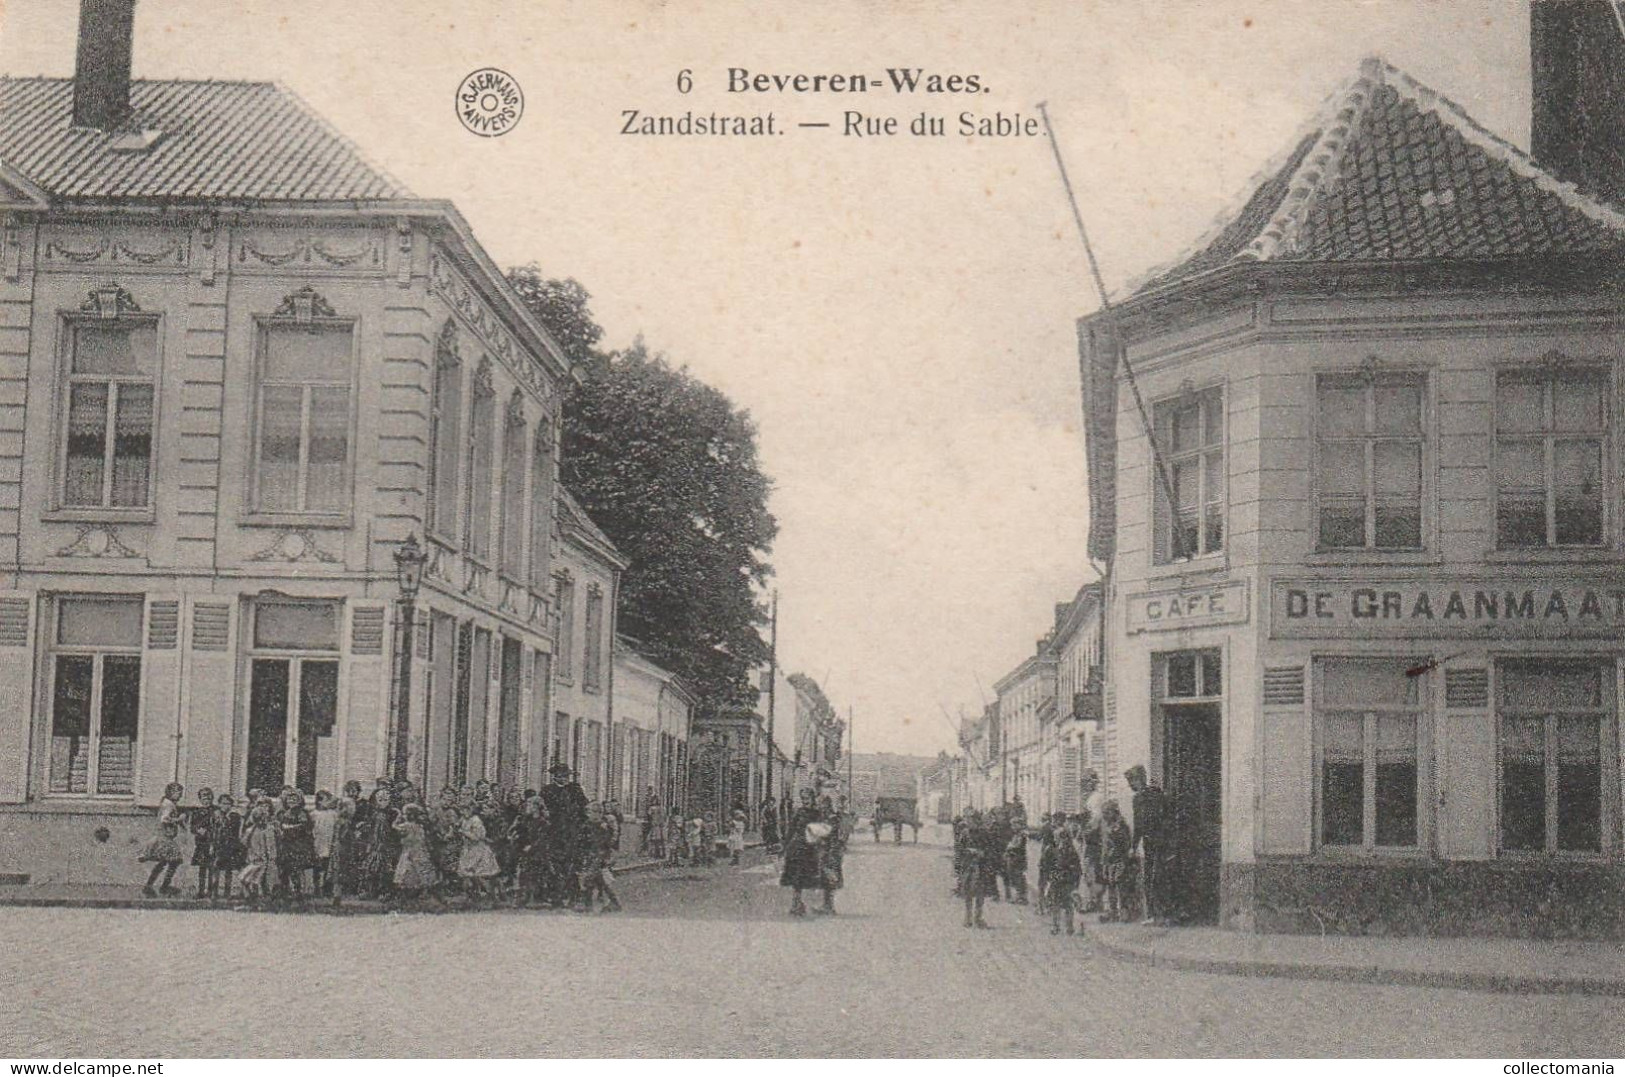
{"points": [[365, 720], [211, 659], [18, 614], [1467, 776], [159, 727], [1286, 797]]}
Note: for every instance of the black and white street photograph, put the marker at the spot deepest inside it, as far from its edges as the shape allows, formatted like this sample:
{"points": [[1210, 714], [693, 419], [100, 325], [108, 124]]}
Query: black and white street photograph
{"points": [[701, 529]]}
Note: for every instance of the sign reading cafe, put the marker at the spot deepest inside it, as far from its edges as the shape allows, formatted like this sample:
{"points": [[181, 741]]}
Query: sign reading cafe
{"points": [[1470, 608]]}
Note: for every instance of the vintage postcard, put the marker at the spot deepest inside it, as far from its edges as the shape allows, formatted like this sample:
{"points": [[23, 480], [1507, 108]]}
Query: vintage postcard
{"points": [[704, 529]]}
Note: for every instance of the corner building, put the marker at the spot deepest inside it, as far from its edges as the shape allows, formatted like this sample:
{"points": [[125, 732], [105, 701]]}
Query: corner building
{"points": [[239, 366], [1366, 608]]}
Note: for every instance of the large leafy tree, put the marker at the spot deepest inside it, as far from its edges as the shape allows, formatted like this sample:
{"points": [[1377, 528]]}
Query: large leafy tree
{"points": [[667, 466]]}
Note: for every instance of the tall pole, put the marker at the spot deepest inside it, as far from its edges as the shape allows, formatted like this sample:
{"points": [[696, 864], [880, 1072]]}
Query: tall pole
{"points": [[772, 693], [851, 754]]}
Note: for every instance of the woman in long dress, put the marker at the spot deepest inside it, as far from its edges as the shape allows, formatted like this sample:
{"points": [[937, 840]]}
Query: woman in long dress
{"points": [[802, 868]]}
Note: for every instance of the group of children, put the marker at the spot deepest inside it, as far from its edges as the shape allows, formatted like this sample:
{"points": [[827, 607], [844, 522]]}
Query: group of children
{"points": [[484, 842], [1083, 862], [695, 841]]}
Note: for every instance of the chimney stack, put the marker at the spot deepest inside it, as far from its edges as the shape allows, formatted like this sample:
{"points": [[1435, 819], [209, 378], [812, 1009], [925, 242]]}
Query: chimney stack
{"points": [[101, 73], [1577, 64]]}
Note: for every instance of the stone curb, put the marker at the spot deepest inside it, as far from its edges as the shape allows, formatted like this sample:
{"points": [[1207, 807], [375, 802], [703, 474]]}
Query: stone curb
{"points": [[1502, 983], [355, 907]]}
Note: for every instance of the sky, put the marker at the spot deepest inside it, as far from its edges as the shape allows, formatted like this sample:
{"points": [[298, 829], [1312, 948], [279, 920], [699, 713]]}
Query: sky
{"points": [[896, 313]]}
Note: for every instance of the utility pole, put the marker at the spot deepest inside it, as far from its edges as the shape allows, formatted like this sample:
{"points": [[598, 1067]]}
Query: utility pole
{"points": [[772, 693], [851, 752]]}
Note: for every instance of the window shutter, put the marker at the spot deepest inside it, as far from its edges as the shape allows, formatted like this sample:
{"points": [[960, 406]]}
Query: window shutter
{"points": [[1071, 778], [1287, 751], [17, 617], [365, 721], [159, 731], [211, 696], [1467, 777]]}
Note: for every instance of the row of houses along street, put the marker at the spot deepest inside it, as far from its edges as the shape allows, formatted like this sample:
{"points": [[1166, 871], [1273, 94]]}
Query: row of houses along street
{"points": [[1355, 489], [279, 497]]}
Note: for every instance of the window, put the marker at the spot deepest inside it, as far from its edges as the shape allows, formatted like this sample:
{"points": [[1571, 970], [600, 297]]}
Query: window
{"points": [[1556, 720], [481, 431], [95, 695], [1550, 434], [1369, 448], [564, 594], [541, 504], [592, 660], [112, 380], [1194, 675], [1368, 713], [515, 447], [304, 419], [1190, 439], [445, 421]]}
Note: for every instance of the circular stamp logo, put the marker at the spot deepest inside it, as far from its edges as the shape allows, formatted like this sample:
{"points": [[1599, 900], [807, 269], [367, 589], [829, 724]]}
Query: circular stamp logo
{"points": [[489, 102]]}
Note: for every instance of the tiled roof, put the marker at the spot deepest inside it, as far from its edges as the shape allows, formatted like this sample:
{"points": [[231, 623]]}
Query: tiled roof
{"points": [[250, 141], [573, 515], [1392, 170]]}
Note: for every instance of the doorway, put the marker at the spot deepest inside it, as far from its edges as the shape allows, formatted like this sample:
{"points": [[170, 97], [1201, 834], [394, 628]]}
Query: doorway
{"points": [[1191, 737], [1191, 769], [293, 715]]}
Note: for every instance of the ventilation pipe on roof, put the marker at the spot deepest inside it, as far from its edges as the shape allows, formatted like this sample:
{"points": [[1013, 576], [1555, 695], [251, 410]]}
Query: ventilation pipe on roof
{"points": [[101, 72], [1577, 65]]}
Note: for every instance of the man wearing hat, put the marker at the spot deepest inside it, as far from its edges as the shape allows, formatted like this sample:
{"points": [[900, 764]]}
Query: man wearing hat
{"points": [[1150, 819], [566, 806]]}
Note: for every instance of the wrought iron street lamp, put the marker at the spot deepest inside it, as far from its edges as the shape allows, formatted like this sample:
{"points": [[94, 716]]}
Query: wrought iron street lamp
{"points": [[409, 562]]}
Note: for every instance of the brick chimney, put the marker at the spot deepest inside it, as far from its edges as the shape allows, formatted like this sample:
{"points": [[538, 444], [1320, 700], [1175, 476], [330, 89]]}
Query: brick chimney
{"points": [[1577, 63], [101, 73]]}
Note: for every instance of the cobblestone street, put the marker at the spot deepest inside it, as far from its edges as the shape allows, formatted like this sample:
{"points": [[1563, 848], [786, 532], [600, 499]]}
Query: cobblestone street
{"points": [[704, 962]]}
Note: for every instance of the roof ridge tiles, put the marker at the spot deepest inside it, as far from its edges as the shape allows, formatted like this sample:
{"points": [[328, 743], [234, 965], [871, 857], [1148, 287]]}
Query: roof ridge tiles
{"points": [[1429, 100]]}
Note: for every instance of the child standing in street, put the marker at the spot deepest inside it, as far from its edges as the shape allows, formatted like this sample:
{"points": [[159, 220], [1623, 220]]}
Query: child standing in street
{"points": [[414, 871], [345, 861], [1061, 868], [477, 863], [598, 842], [322, 823], [163, 852], [228, 844], [296, 848], [736, 838], [204, 824], [260, 848], [1115, 848], [1015, 864]]}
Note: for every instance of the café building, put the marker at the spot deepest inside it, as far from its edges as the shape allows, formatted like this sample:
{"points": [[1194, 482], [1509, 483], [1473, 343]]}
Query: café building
{"points": [[1367, 594]]}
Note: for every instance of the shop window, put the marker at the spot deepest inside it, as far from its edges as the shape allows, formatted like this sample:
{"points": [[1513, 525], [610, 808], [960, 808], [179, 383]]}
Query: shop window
{"points": [[111, 385], [1555, 719], [303, 458], [95, 695], [1550, 444], [1190, 440], [1368, 716], [445, 422], [1369, 457]]}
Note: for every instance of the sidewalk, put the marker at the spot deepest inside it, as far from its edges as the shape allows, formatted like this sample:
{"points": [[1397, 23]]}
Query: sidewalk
{"points": [[1522, 966], [85, 896]]}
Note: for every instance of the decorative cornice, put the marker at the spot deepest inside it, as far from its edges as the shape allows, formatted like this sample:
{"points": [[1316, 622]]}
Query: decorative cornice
{"points": [[486, 325]]}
